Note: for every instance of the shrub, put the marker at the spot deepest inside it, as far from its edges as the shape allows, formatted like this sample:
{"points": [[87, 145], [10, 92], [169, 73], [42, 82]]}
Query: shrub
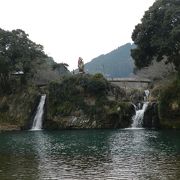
{"points": [[97, 84], [4, 107], [169, 106]]}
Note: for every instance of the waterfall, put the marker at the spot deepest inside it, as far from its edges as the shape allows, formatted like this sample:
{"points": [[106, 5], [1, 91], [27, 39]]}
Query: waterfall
{"points": [[37, 123], [138, 117]]}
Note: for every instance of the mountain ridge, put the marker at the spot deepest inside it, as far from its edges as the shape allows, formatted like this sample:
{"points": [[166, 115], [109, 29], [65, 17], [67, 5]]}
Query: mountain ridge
{"points": [[117, 63]]}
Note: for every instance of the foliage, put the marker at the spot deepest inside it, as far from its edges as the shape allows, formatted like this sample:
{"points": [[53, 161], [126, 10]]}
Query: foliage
{"points": [[158, 36], [59, 65], [63, 97], [4, 107], [169, 107], [15, 109], [97, 84], [65, 108], [69, 96], [17, 53], [85, 97], [4, 73]]}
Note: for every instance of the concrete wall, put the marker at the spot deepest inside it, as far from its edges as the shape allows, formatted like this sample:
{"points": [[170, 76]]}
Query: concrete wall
{"points": [[131, 85]]}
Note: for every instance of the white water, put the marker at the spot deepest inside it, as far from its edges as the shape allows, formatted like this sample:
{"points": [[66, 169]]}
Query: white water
{"points": [[146, 92], [37, 123], [138, 117]]}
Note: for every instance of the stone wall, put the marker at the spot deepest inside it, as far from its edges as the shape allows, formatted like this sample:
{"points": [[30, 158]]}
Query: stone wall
{"points": [[131, 85]]}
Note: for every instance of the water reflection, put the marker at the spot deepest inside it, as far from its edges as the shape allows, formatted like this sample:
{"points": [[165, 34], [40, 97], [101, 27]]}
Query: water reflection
{"points": [[16, 161], [145, 155], [76, 155], [90, 154]]}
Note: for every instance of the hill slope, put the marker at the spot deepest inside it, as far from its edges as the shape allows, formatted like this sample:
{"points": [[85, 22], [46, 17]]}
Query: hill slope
{"points": [[117, 63], [45, 72]]}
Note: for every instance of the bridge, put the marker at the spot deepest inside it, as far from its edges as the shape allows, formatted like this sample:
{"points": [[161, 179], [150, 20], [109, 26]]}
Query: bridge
{"points": [[130, 83], [127, 83]]}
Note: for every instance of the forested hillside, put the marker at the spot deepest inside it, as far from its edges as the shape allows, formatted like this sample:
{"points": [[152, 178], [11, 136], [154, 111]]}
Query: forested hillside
{"points": [[117, 63]]}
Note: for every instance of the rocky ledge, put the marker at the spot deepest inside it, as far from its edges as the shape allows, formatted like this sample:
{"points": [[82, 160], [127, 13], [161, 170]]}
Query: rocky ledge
{"points": [[85, 101]]}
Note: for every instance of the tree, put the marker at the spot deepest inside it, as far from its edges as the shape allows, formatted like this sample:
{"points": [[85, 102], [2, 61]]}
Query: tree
{"points": [[4, 73], [17, 52], [158, 34], [59, 65]]}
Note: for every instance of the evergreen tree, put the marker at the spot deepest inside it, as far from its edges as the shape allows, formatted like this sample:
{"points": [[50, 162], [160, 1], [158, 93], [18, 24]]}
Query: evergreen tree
{"points": [[158, 35], [17, 53]]}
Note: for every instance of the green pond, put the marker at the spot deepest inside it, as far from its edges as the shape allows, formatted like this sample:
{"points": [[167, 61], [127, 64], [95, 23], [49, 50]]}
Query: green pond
{"points": [[90, 154]]}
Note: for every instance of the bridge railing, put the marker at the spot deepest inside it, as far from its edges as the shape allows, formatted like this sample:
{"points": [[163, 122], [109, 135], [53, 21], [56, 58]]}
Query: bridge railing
{"points": [[140, 80]]}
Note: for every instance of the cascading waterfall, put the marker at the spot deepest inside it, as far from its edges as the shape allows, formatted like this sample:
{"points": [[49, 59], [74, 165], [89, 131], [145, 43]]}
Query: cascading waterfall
{"points": [[138, 117], [37, 123]]}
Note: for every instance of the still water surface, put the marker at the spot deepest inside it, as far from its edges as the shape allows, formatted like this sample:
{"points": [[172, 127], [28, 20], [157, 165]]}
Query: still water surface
{"points": [[90, 154]]}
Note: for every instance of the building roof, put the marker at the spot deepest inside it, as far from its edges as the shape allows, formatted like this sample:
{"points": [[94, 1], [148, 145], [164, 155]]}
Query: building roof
{"points": [[18, 73]]}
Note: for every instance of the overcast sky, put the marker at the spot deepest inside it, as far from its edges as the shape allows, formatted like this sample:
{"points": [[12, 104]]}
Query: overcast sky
{"points": [[71, 28]]}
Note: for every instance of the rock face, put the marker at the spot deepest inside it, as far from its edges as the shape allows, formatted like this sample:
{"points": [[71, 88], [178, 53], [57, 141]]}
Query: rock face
{"points": [[17, 109], [119, 118], [86, 101], [151, 117], [169, 105], [136, 96], [80, 101]]}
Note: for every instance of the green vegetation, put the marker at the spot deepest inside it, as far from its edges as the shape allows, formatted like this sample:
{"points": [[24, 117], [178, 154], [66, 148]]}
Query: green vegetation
{"points": [[23, 65], [158, 36], [68, 95], [84, 98], [16, 109], [18, 58], [169, 106], [17, 53], [23, 61]]}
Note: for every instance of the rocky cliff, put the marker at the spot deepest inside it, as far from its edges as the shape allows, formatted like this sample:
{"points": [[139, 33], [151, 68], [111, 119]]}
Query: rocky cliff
{"points": [[17, 109], [86, 101]]}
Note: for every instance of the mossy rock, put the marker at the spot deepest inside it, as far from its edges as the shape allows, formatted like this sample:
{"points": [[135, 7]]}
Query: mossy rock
{"points": [[170, 124], [169, 105], [85, 97], [15, 109]]}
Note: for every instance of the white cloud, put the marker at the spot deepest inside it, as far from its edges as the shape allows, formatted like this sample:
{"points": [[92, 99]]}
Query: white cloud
{"points": [[71, 28]]}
